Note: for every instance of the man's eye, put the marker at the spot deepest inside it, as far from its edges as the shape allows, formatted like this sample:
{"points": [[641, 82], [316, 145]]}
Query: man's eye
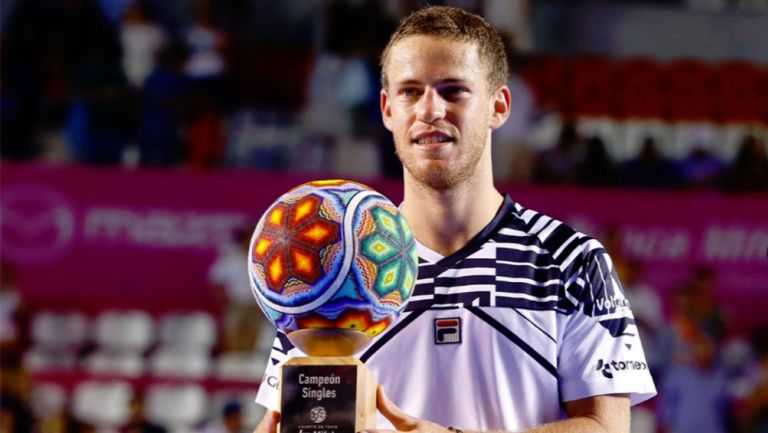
{"points": [[409, 92], [451, 91]]}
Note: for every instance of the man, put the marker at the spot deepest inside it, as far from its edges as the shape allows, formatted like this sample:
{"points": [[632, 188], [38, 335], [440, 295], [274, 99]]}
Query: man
{"points": [[541, 336]]}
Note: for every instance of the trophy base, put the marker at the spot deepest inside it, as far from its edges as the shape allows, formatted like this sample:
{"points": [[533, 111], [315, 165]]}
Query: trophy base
{"points": [[326, 395]]}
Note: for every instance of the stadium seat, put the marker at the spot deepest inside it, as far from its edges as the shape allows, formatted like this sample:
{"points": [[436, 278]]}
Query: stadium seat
{"points": [[590, 87], [104, 404], [635, 131], [176, 407], [690, 106], [47, 399], [44, 359], [124, 331], [546, 76], [124, 364], [180, 362], [733, 134], [59, 330], [690, 87], [741, 97], [639, 89], [196, 330], [686, 136], [241, 365], [607, 129], [545, 131], [57, 337]]}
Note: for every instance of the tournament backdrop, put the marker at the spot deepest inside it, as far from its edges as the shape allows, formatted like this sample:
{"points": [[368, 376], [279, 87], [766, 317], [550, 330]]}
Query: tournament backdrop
{"points": [[87, 238]]}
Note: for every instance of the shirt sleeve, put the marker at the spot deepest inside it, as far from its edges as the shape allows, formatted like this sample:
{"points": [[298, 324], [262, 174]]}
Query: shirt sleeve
{"points": [[601, 352]]}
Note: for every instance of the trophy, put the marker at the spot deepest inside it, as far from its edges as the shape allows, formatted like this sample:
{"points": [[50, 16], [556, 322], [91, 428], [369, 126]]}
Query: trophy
{"points": [[332, 264]]}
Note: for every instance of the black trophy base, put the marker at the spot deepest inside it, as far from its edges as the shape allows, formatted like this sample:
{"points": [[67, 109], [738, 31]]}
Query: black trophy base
{"points": [[326, 395]]}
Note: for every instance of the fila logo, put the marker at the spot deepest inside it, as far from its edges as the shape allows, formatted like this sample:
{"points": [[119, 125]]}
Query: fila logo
{"points": [[448, 331]]}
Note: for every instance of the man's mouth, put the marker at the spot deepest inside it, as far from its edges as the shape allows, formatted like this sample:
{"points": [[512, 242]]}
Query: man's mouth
{"points": [[433, 140]]}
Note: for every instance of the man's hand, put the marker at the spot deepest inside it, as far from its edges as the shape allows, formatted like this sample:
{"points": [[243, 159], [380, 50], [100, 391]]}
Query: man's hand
{"points": [[268, 424], [401, 420]]}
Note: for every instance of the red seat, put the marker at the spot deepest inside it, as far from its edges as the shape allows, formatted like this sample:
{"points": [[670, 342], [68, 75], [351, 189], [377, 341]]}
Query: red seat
{"points": [[763, 95], [690, 90], [639, 89], [591, 87], [546, 76], [740, 94]]}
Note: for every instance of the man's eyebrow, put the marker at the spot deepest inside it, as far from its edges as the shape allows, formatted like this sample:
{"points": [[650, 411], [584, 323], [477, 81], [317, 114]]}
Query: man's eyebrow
{"points": [[443, 81]]}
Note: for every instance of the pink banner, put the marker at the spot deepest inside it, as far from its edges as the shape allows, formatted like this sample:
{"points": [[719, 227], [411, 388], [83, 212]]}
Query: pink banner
{"points": [[87, 238]]}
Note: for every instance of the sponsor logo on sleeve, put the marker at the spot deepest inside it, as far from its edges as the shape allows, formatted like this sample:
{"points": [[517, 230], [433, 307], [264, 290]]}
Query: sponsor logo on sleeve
{"points": [[609, 368]]}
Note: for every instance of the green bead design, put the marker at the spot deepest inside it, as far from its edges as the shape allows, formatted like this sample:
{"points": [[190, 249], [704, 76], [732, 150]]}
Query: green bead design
{"points": [[392, 249]]}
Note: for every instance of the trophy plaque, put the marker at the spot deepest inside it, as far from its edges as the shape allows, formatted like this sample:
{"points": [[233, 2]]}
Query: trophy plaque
{"points": [[332, 264]]}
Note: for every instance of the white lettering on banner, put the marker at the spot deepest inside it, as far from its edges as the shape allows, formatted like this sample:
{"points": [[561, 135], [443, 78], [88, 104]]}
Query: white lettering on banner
{"points": [[735, 243], [656, 243], [160, 228]]}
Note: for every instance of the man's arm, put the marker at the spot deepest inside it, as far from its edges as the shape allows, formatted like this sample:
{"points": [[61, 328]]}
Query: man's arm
{"points": [[600, 414]]}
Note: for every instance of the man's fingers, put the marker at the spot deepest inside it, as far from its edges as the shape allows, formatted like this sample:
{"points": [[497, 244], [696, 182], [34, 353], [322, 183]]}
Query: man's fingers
{"points": [[401, 420], [268, 424], [378, 431]]}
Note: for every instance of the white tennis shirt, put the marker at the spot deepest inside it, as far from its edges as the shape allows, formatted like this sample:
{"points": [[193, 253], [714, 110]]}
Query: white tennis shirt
{"points": [[528, 315]]}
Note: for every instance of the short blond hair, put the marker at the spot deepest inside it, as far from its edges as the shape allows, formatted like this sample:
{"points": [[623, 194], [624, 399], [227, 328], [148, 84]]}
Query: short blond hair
{"points": [[457, 24]]}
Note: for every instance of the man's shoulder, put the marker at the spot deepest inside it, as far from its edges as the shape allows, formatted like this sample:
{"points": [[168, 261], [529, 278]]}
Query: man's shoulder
{"points": [[552, 235]]}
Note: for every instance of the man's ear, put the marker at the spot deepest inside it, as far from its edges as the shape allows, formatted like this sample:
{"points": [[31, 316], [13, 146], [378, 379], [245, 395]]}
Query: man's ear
{"points": [[501, 106], [386, 111]]}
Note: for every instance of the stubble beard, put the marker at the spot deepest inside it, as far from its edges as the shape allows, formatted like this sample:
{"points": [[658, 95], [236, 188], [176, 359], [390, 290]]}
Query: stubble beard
{"points": [[442, 175]]}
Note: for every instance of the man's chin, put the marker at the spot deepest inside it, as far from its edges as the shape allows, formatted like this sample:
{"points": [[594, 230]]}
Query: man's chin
{"points": [[438, 179]]}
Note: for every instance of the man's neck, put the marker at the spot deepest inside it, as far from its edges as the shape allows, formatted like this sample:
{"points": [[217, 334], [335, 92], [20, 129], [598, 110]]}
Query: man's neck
{"points": [[446, 220]]}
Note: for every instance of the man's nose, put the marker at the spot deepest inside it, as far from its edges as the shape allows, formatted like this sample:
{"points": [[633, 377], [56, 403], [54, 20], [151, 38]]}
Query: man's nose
{"points": [[431, 106]]}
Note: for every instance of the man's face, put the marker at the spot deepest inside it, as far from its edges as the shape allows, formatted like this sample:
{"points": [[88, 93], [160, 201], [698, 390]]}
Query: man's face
{"points": [[439, 108]]}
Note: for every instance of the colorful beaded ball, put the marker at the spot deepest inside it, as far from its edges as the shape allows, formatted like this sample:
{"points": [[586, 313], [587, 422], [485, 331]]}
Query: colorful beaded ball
{"points": [[332, 254]]}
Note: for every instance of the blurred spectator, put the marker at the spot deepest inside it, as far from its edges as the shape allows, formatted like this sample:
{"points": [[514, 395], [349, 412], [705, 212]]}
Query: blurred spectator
{"points": [[701, 169], [138, 422], [205, 131], [613, 241], [343, 90], [231, 420], [141, 39], [14, 317], [164, 107], [699, 304], [693, 394], [512, 158], [597, 167], [49, 405], [749, 171], [755, 408], [649, 169], [101, 116], [558, 165], [646, 308], [78, 426], [16, 414], [206, 44], [22, 61], [694, 310], [243, 319]]}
